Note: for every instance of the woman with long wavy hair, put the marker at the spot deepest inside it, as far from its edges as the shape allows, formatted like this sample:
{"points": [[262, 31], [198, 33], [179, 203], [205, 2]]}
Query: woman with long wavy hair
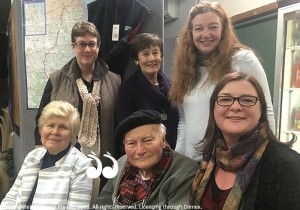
{"points": [[207, 50]]}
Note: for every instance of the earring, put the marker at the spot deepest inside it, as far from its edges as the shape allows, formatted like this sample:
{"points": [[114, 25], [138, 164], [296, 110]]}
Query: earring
{"points": [[136, 62]]}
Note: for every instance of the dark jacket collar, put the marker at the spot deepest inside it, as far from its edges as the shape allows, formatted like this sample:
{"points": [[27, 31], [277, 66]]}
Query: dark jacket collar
{"points": [[72, 70], [152, 91]]}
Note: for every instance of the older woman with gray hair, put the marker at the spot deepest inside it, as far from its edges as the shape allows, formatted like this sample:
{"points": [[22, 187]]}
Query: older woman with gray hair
{"points": [[53, 176]]}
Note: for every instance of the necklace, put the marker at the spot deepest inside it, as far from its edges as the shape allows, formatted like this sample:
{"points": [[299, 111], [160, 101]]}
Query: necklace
{"points": [[164, 116]]}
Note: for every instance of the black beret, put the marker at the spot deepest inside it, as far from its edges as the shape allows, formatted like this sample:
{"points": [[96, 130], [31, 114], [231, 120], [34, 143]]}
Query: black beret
{"points": [[136, 119]]}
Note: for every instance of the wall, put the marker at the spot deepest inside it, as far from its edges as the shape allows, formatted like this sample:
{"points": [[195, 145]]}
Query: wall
{"points": [[261, 36], [172, 31], [25, 142], [243, 6]]}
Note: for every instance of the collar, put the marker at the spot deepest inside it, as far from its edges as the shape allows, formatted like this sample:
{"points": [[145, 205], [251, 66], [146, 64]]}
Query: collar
{"points": [[203, 60], [72, 70], [50, 160]]}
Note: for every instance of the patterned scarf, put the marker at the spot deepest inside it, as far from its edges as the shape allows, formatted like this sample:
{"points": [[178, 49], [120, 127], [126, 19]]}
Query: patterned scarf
{"points": [[89, 134], [203, 60], [243, 158], [132, 189]]}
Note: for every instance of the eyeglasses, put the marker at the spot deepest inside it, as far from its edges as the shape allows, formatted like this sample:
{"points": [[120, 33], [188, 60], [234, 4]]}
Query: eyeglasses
{"points": [[82, 45], [243, 100]]}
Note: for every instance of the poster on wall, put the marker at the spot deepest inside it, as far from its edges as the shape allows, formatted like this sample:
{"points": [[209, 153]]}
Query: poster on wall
{"points": [[13, 75], [47, 26]]}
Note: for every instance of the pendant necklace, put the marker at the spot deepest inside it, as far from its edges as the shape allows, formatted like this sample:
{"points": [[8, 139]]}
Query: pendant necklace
{"points": [[163, 115]]}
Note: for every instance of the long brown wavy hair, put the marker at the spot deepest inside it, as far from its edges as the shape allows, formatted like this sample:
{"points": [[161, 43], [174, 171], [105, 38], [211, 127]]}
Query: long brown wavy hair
{"points": [[185, 74]]}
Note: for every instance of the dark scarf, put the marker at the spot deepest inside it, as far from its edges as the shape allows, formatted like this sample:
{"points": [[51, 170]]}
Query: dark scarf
{"points": [[242, 158], [203, 60], [132, 189]]}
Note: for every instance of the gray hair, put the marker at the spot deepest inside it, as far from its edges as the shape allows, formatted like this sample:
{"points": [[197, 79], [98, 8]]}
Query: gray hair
{"points": [[163, 129], [61, 109]]}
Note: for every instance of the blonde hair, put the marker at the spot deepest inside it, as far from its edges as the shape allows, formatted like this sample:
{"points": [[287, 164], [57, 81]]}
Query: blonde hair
{"points": [[61, 109], [185, 75]]}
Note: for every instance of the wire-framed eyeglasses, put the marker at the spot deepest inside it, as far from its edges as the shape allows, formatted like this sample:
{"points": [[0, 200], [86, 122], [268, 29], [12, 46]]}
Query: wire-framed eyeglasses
{"points": [[82, 45], [243, 100]]}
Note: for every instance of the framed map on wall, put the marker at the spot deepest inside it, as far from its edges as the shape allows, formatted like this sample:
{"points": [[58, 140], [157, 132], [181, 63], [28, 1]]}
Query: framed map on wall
{"points": [[47, 26]]}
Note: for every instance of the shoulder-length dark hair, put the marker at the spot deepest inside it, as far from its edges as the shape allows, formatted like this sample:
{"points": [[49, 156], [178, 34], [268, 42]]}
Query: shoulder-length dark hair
{"points": [[85, 28], [144, 41], [212, 132]]}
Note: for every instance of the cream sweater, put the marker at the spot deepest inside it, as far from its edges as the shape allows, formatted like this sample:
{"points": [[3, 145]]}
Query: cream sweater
{"points": [[194, 112]]}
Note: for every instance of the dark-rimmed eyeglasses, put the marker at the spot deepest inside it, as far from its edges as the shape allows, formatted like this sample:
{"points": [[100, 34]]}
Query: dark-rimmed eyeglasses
{"points": [[82, 45], [243, 100]]}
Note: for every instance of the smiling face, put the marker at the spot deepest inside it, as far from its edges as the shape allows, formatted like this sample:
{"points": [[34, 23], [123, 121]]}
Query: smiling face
{"points": [[236, 120], [206, 32], [87, 56], [56, 134], [149, 60], [144, 146]]}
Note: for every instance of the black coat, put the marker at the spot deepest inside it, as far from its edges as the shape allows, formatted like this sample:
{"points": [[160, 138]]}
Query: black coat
{"points": [[276, 181], [130, 15], [138, 93]]}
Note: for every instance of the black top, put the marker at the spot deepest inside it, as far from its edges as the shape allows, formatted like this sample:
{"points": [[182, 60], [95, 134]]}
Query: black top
{"points": [[138, 93], [130, 15], [216, 191], [276, 181]]}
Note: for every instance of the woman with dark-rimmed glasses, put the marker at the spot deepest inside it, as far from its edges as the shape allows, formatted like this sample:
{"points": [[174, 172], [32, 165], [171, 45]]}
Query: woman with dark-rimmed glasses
{"points": [[86, 83], [244, 166]]}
